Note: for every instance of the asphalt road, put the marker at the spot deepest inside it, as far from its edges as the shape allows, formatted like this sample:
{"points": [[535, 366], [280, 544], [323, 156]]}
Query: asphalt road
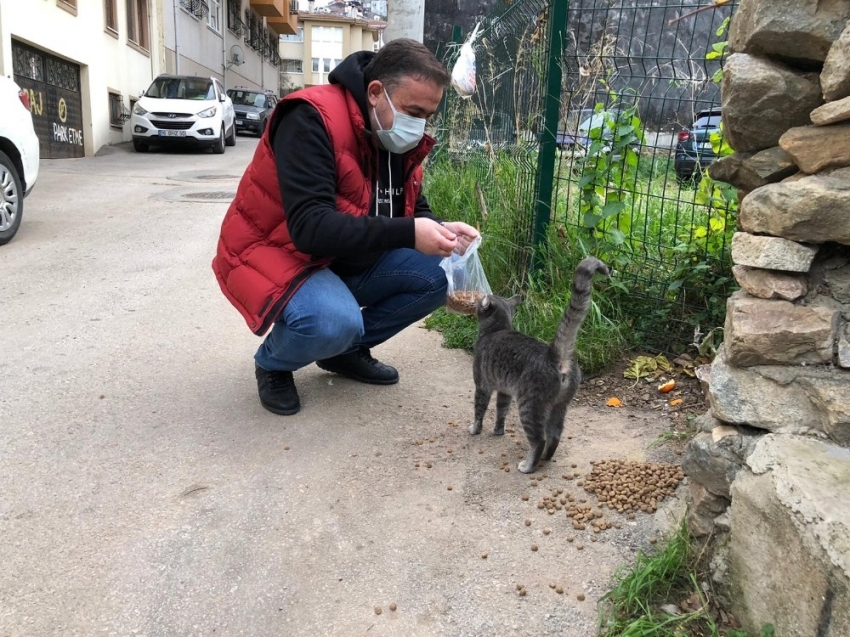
{"points": [[144, 491]]}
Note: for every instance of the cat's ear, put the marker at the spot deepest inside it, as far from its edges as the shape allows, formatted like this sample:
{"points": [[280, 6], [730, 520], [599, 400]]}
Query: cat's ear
{"points": [[515, 300], [484, 303]]}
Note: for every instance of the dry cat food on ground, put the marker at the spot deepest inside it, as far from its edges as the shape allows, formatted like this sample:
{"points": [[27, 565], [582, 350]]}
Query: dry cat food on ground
{"points": [[463, 302], [632, 486], [378, 610], [393, 606], [580, 597]]}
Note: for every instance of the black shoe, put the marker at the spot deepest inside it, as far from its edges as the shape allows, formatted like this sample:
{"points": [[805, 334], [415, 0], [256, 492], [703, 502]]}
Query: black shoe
{"points": [[277, 391], [360, 366]]}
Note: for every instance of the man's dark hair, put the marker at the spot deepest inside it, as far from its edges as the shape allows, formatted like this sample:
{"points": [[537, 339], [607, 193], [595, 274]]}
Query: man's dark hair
{"points": [[402, 58]]}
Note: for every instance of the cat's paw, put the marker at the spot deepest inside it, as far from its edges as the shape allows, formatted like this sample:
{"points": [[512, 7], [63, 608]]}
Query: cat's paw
{"points": [[526, 467], [474, 429], [499, 431]]}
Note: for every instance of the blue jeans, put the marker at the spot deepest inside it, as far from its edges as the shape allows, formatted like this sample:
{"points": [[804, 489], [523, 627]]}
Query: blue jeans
{"points": [[324, 317]]}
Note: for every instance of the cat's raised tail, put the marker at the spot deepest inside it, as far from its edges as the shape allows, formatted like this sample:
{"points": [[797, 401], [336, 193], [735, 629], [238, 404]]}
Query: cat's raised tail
{"points": [[563, 346]]}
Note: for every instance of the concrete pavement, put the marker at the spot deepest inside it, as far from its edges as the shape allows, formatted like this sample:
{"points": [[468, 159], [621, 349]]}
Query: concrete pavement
{"points": [[144, 491]]}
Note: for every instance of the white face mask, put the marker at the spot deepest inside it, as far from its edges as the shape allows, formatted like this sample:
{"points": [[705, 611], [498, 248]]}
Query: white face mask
{"points": [[405, 132]]}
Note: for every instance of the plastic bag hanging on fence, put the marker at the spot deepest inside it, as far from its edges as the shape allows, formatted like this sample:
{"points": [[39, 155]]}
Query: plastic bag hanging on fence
{"points": [[467, 281], [463, 71]]}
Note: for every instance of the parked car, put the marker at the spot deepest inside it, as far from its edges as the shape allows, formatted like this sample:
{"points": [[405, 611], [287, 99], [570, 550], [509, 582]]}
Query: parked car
{"points": [[575, 129], [493, 132], [693, 148], [253, 109], [184, 109], [580, 140], [19, 156]]}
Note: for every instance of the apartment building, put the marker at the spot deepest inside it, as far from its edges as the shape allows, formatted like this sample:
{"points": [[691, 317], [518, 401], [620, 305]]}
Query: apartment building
{"points": [[83, 63], [235, 41], [321, 42]]}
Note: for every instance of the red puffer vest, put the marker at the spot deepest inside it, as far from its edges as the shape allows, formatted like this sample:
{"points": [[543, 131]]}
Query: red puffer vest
{"points": [[257, 264]]}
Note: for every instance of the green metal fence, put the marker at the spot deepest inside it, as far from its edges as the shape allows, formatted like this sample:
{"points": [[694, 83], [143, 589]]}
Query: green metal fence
{"points": [[571, 138]]}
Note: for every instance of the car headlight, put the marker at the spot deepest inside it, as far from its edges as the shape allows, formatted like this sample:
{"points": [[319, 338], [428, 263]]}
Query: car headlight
{"points": [[138, 110], [253, 116], [209, 112]]}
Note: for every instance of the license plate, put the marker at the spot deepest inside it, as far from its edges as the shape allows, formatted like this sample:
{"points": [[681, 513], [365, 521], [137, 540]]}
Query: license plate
{"points": [[172, 133], [705, 146], [239, 122]]}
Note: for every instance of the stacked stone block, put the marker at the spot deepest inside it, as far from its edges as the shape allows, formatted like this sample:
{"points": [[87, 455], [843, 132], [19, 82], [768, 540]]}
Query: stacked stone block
{"points": [[779, 389]]}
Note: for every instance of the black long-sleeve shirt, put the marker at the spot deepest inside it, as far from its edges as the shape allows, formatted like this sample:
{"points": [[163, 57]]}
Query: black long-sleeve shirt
{"points": [[307, 174]]}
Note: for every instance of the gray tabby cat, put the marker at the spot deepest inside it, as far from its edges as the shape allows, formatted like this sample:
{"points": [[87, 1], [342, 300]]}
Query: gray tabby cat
{"points": [[543, 378]]}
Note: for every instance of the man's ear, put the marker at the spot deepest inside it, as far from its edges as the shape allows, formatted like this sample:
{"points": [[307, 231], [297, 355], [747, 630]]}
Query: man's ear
{"points": [[373, 92]]}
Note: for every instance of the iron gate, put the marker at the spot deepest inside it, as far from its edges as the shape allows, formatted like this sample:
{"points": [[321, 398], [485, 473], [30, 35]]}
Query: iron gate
{"points": [[56, 101]]}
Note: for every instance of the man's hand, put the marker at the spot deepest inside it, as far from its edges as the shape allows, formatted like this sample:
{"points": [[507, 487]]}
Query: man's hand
{"points": [[434, 239], [465, 233]]}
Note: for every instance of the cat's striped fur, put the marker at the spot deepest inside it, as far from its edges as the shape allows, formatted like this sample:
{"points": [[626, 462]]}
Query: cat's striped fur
{"points": [[543, 378]]}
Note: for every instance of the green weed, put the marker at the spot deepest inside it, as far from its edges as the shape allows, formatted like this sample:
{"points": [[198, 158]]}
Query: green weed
{"points": [[668, 576]]}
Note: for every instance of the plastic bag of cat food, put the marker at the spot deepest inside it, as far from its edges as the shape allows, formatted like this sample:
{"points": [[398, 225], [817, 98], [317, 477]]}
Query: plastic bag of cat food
{"points": [[467, 282], [463, 71]]}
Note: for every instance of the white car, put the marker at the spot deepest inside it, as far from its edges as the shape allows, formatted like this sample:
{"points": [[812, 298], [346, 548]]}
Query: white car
{"points": [[19, 156], [184, 109]]}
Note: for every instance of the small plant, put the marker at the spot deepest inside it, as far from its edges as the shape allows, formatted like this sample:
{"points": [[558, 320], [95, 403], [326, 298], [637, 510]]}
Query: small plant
{"points": [[662, 596], [609, 171], [719, 50]]}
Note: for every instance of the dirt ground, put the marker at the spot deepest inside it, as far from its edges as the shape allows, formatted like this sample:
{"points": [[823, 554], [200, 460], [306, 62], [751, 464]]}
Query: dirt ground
{"points": [[146, 491], [449, 490]]}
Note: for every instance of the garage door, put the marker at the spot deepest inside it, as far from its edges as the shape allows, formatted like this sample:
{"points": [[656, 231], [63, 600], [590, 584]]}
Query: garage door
{"points": [[57, 105]]}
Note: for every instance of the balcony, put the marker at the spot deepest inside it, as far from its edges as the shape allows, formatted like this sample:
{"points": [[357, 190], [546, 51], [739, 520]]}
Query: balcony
{"points": [[271, 8], [285, 24]]}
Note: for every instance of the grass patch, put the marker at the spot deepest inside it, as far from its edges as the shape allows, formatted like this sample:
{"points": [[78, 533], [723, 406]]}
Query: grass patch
{"points": [[672, 273], [670, 576]]}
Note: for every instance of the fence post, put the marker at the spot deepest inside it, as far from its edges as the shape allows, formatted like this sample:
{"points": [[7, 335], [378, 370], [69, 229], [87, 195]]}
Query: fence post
{"points": [[557, 40]]}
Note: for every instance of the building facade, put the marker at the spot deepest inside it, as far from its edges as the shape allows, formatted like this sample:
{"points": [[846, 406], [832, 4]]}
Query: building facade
{"points": [[83, 62], [234, 41], [321, 42]]}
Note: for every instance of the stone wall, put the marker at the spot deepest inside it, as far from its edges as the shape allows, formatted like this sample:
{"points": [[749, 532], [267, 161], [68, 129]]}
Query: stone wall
{"points": [[770, 472]]}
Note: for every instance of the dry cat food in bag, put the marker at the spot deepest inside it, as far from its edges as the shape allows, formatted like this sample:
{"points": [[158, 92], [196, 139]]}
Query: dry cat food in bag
{"points": [[467, 281]]}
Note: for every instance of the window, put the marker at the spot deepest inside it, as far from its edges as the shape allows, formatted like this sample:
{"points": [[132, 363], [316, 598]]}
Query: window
{"points": [[137, 23], [69, 5], [234, 8], [181, 88], [214, 18], [292, 66], [196, 8], [327, 34], [117, 116], [315, 65], [298, 37], [327, 65], [111, 11]]}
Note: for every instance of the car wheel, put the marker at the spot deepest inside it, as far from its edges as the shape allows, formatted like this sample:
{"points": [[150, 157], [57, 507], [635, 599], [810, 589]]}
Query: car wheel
{"points": [[11, 199], [231, 139], [685, 178], [140, 147], [218, 149]]}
